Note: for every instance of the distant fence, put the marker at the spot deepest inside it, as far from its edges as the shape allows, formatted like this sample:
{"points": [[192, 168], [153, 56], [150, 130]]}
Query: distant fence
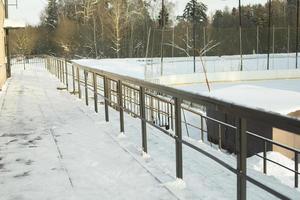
{"points": [[166, 109], [26, 60], [184, 65]]}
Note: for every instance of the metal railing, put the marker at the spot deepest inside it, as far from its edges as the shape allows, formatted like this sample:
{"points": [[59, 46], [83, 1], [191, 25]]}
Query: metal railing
{"points": [[163, 107], [28, 60]]}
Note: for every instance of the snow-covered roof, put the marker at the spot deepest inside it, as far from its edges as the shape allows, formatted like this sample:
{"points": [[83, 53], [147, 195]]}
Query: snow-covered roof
{"points": [[274, 100], [11, 24]]}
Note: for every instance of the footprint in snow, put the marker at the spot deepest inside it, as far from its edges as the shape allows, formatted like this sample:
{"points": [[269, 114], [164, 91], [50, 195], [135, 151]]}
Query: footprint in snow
{"points": [[24, 174]]}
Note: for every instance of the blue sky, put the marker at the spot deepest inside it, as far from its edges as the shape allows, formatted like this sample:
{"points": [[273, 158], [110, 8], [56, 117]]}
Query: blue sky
{"points": [[30, 10]]}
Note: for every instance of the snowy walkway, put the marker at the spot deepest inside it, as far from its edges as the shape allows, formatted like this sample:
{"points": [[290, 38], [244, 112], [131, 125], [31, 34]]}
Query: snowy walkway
{"points": [[54, 147], [50, 148]]}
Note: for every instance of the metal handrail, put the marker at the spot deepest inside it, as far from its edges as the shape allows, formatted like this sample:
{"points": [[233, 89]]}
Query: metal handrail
{"points": [[58, 67]]}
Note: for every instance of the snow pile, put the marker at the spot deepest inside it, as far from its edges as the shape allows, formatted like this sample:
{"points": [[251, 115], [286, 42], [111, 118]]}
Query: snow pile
{"points": [[133, 67], [177, 184], [283, 175], [273, 100]]}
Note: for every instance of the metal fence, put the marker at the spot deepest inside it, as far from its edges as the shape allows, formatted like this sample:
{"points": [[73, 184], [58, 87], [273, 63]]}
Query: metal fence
{"points": [[214, 64], [26, 61], [166, 109]]}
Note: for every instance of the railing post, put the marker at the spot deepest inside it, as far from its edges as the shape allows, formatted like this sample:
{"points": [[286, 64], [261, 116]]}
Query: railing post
{"points": [[220, 136], [296, 169], [56, 68], [202, 128], [95, 92], [58, 65], [67, 76], [178, 142], [143, 119], [63, 71], [265, 157], [73, 79], [86, 87], [241, 149], [59, 70], [78, 83], [105, 81], [120, 99]]}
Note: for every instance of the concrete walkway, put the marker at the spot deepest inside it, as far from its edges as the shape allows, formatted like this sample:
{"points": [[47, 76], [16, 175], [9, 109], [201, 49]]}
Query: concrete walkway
{"points": [[51, 147]]}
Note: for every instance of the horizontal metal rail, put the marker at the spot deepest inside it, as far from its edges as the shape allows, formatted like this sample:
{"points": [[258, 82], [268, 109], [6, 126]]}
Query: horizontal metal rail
{"points": [[137, 97]]}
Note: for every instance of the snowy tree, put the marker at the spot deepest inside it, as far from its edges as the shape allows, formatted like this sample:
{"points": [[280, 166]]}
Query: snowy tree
{"points": [[195, 10], [51, 18]]}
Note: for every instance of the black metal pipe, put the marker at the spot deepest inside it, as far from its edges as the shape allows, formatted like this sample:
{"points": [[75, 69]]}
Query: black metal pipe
{"points": [[86, 92], [95, 85], [120, 95], [106, 102], [194, 34], [296, 160], [241, 148], [297, 34], [240, 33], [178, 143], [269, 33], [143, 116]]}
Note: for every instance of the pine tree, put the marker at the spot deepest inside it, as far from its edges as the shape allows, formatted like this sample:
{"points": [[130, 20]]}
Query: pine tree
{"points": [[51, 20], [199, 9], [163, 18]]}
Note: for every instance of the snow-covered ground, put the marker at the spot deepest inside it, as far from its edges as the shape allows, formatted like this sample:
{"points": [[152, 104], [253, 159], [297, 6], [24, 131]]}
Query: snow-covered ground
{"points": [[287, 84], [54, 147], [273, 100]]}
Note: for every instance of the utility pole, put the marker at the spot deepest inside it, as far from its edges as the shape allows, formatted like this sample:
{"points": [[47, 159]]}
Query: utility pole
{"points": [[269, 34], [194, 34], [162, 37], [241, 44], [297, 34], [204, 38], [257, 39], [7, 49], [288, 39], [173, 41], [95, 37]]}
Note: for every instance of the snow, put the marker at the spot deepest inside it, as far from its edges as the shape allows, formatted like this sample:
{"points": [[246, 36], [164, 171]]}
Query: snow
{"points": [[274, 100], [150, 68], [178, 184], [133, 67], [11, 24], [282, 84], [54, 147], [285, 176]]}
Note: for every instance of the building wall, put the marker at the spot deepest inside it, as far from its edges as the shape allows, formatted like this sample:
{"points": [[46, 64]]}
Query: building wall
{"points": [[287, 138], [2, 47]]}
